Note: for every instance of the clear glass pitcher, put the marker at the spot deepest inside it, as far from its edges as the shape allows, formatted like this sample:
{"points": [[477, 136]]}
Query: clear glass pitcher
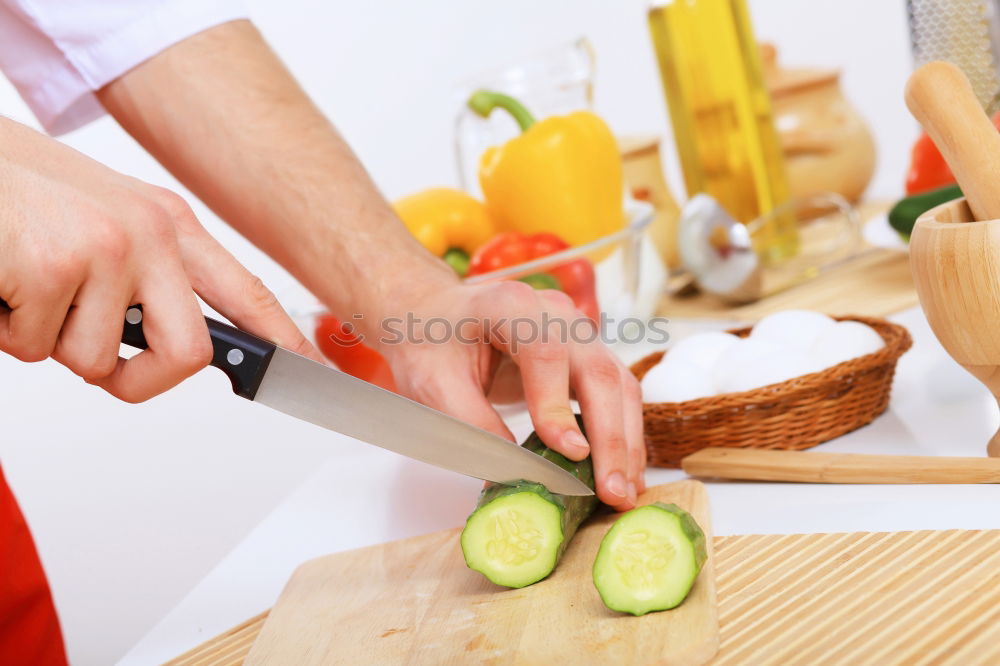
{"points": [[551, 82]]}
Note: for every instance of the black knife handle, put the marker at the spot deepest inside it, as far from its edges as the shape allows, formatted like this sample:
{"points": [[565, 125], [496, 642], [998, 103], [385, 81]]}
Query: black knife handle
{"points": [[242, 356]]}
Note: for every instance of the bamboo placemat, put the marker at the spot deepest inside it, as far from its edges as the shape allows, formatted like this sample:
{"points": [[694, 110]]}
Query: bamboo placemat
{"points": [[929, 597]]}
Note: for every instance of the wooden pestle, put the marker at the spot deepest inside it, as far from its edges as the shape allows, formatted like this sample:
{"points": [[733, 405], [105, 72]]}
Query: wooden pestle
{"points": [[941, 99], [956, 266]]}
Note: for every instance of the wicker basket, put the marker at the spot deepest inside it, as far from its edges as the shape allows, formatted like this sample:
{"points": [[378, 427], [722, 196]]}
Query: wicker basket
{"points": [[796, 414]]}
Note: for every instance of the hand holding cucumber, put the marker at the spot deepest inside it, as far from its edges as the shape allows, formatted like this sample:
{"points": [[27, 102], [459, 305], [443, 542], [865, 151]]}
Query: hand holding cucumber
{"points": [[498, 326]]}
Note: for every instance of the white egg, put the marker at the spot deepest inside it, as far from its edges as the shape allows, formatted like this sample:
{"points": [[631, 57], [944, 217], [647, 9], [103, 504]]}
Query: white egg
{"points": [[844, 341], [702, 349], [739, 354], [793, 328], [770, 369], [676, 380]]}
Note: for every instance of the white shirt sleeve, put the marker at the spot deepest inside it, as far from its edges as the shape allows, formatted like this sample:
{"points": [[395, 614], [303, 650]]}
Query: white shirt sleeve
{"points": [[57, 52]]}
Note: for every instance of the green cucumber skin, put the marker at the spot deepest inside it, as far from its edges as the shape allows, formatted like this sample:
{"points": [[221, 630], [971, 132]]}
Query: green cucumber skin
{"points": [[904, 214], [692, 533], [573, 509]]}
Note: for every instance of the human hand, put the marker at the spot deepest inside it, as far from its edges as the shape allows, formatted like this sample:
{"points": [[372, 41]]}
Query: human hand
{"points": [[80, 243], [450, 356], [282, 175]]}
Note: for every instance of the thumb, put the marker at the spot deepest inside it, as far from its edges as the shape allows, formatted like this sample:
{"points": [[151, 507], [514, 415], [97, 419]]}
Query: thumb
{"points": [[239, 295]]}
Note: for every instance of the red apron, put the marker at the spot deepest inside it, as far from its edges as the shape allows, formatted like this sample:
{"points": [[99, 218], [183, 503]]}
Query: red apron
{"points": [[29, 627]]}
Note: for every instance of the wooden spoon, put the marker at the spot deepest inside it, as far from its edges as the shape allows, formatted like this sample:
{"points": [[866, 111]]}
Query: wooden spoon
{"points": [[763, 465]]}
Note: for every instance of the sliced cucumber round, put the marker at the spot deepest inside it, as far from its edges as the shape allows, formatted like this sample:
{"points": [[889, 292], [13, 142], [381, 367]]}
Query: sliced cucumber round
{"points": [[514, 540], [649, 559], [519, 530]]}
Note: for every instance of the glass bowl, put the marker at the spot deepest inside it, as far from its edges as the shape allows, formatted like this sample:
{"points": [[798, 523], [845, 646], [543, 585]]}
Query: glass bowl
{"points": [[625, 295], [622, 289]]}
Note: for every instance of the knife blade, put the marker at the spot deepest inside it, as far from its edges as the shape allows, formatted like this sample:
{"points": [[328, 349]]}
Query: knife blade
{"points": [[300, 387]]}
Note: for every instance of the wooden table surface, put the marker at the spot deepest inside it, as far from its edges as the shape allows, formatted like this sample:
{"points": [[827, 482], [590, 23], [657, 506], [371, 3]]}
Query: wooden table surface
{"points": [[925, 597]]}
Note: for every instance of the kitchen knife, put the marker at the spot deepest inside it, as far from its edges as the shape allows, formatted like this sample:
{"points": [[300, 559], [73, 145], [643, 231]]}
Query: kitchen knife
{"points": [[263, 372]]}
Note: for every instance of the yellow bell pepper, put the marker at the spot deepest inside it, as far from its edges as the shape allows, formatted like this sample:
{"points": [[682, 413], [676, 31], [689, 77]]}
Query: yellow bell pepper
{"points": [[448, 222], [563, 174]]}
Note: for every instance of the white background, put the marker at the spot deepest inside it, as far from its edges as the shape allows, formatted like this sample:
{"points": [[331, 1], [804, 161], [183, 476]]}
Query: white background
{"points": [[131, 506]]}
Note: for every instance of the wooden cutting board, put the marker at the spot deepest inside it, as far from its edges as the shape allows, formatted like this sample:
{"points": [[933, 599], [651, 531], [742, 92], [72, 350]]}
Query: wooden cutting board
{"points": [[415, 601], [930, 597]]}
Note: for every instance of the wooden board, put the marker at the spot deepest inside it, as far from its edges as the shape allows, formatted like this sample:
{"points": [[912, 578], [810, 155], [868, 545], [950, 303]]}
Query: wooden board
{"points": [[415, 601], [930, 597], [874, 284]]}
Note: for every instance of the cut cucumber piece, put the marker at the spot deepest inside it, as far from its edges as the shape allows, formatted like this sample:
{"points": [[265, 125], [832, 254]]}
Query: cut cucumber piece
{"points": [[519, 531], [649, 559], [515, 539]]}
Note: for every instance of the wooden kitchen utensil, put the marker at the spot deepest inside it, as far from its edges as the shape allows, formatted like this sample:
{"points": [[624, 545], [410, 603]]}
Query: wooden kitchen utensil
{"points": [[414, 601], [954, 259], [759, 465]]}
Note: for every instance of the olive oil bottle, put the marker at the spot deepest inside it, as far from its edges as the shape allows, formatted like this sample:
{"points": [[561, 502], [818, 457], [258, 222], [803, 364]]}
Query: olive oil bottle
{"points": [[721, 113]]}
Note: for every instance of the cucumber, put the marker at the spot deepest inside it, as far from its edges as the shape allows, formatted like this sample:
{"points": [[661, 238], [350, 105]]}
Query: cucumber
{"points": [[904, 214], [649, 559], [518, 531], [458, 259], [541, 281]]}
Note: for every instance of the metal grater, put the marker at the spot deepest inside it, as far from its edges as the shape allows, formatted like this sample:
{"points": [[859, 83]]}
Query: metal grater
{"points": [[963, 32]]}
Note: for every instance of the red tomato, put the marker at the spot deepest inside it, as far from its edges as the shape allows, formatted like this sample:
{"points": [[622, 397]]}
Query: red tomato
{"points": [[576, 277], [580, 283], [928, 170], [342, 345]]}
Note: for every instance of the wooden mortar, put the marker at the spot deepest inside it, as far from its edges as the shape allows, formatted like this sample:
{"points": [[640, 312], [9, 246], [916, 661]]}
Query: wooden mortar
{"points": [[955, 259], [955, 263]]}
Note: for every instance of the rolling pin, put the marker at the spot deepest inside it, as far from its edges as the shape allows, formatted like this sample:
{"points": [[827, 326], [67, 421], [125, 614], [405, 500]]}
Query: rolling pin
{"points": [[765, 465]]}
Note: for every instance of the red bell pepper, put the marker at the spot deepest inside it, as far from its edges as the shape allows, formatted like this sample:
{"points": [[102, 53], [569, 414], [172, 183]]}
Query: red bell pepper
{"points": [[575, 277], [342, 345], [928, 170]]}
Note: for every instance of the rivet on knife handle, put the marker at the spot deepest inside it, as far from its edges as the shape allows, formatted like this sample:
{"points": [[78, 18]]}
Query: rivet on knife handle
{"points": [[242, 356]]}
